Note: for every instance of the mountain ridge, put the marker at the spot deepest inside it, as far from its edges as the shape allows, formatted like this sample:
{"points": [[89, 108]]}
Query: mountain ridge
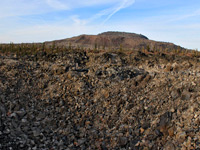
{"points": [[115, 40]]}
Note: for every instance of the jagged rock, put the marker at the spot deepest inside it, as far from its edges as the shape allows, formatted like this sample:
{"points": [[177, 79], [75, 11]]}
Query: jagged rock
{"points": [[185, 95], [99, 100], [169, 146], [122, 141]]}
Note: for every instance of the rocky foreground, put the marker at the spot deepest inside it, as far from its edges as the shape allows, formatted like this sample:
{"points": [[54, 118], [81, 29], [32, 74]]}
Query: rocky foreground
{"points": [[100, 100]]}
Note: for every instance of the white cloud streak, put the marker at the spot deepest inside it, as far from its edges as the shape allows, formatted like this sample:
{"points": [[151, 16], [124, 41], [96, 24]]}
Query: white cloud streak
{"points": [[123, 4], [186, 16], [108, 13], [11, 8], [56, 4]]}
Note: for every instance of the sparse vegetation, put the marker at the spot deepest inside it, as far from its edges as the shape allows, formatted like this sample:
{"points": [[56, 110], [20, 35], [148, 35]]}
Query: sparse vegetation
{"points": [[35, 49]]}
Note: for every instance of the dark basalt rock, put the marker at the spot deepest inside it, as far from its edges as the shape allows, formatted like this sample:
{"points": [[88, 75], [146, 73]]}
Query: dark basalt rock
{"points": [[99, 100]]}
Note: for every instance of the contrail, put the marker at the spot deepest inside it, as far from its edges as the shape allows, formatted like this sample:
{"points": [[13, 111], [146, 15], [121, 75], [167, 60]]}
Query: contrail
{"points": [[56, 4], [109, 12], [123, 4]]}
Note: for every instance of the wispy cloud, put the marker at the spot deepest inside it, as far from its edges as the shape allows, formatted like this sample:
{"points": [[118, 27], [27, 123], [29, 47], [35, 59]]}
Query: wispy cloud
{"points": [[107, 13], [11, 8], [123, 4], [195, 13], [77, 21], [56, 4]]}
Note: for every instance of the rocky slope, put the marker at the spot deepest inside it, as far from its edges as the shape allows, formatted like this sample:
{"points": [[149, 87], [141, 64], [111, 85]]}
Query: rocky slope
{"points": [[100, 100], [114, 40]]}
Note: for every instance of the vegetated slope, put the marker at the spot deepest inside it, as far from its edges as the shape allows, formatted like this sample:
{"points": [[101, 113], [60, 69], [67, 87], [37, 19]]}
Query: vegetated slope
{"points": [[115, 40], [100, 100]]}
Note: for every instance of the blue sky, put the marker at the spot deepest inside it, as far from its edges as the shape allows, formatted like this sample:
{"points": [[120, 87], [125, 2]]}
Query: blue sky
{"points": [[176, 21]]}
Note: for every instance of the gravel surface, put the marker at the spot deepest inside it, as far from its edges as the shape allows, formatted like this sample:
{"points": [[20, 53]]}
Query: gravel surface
{"points": [[103, 100]]}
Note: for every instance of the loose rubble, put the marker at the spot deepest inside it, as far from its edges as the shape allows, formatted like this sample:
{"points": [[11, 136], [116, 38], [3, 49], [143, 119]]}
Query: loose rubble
{"points": [[103, 100]]}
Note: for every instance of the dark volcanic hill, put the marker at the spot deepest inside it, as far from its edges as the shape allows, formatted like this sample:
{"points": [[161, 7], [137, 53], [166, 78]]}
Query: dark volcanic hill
{"points": [[115, 40]]}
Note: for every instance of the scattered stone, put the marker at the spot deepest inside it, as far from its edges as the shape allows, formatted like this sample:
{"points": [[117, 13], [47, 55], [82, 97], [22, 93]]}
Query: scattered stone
{"points": [[141, 130], [99, 100], [185, 95], [175, 94], [122, 141], [36, 133], [171, 131], [181, 136], [169, 146], [168, 68]]}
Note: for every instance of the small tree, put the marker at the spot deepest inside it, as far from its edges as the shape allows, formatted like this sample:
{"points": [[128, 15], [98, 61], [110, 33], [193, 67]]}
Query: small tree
{"points": [[148, 48], [95, 46], [43, 47], [70, 46], [53, 46], [121, 48]]}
